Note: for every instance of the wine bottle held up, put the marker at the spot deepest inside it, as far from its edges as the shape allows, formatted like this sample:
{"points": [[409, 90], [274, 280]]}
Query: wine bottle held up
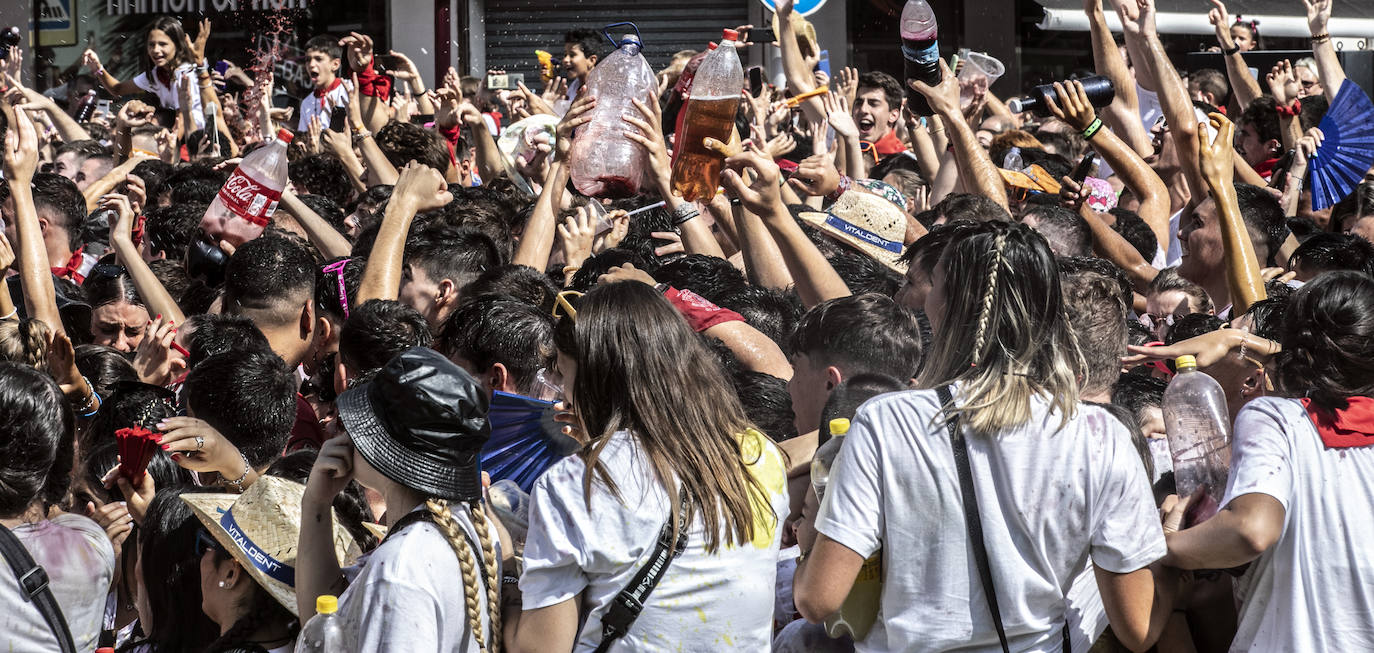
{"points": [[1099, 90], [920, 52], [603, 162], [1198, 426], [249, 197]]}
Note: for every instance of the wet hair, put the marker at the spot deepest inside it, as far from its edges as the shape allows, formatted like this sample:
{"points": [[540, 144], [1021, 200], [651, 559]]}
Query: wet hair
{"points": [[25, 341], [57, 199], [212, 334], [104, 367], [170, 229], [321, 174], [378, 331], [766, 402], [111, 287], [1212, 82], [1136, 232], [154, 173], [268, 278], [1096, 311], [326, 44], [327, 290], [845, 399], [195, 182], [864, 274], [775, 313], [1191, 326], [518, 281], [457, 253], [1077, 264], [588, 40], [891, 88], [1264, 218], [403, 142], [967, 206], [249, 397], [129, 404], [1262, 112], [38, 424], [83, 149], [1169, 279], [1136, 392], [711, 277], [1266, 317], [350, 504], [1325, 252], [1313, 110], [1328, 341], [860, 333], [498, 329], [171, 574], [1065, 230], [600, 264]]}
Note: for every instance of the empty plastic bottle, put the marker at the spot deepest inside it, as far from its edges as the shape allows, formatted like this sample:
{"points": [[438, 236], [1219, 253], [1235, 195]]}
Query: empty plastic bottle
{"points": [[248, 199], [860, 609], [1099, 89], [604, 163], [920, 51], [324, 632], [1199, 430], [712, 102]]}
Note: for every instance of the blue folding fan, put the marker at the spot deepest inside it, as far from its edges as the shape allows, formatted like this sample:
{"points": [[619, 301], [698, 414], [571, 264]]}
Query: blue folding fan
{"points": [[525, 441], [1347, 149]]}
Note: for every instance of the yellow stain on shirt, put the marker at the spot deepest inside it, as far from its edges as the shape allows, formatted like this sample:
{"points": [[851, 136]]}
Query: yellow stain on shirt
{"points": [[763, 460]]}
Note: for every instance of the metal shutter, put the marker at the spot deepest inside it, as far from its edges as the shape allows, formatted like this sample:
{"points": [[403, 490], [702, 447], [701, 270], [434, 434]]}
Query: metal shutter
{"points": [[516, 28]]}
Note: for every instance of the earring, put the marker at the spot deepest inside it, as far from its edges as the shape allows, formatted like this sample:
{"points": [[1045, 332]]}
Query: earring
{"points": [[223, 584]]}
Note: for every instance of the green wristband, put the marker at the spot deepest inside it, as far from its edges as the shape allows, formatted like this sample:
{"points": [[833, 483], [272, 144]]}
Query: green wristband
{"points": [[1092, 129]]}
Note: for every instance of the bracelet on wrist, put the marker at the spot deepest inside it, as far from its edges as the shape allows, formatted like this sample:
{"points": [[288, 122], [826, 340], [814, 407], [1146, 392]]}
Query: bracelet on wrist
{"points": [[1321, 38], [1092, 129], [1231, 50], [684, 212], [845, 184], [12, 314], [1291, 110], [238, 482]]}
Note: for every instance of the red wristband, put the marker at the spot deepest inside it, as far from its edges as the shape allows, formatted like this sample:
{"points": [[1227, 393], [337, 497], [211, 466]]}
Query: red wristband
{"points": [[374, 85], [1292, 110], [845, 184], [699, 313]]}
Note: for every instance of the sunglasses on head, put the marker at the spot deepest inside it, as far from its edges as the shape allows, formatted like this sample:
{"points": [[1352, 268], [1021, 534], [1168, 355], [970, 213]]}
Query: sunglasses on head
{"points": [[206, 542]]}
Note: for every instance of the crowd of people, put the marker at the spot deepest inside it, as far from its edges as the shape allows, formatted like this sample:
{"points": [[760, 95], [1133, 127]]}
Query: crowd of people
{"points": [[897, 386]]}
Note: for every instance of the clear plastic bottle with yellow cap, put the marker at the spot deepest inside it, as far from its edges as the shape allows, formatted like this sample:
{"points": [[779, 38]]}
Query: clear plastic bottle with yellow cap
{"points": [[1199, 429], [324, 632], [860, 609]]}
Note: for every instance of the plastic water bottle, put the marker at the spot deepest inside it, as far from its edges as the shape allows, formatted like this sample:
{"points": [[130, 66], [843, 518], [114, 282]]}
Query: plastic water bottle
{"points": [[1199, 430], [324, 631], [604, 163], [824, 457], [712, 102], [512, 507], [248, 199], [921, 52], [860, 608], [1099, 90]]}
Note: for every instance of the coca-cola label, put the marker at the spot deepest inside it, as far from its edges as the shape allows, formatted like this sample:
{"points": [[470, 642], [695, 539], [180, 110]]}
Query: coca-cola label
{"points": [[248, 198]]}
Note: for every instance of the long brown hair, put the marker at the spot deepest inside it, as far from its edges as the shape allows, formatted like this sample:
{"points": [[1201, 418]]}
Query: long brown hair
{"points": [[641, 368]]}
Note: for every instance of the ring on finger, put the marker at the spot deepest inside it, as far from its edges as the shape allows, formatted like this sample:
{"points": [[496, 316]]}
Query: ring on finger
{"points": [[200, 442]]}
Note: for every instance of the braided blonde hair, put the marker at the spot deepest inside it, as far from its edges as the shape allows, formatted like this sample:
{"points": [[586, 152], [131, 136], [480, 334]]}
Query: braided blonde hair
{"points": [[467, 564], [989, 291]]}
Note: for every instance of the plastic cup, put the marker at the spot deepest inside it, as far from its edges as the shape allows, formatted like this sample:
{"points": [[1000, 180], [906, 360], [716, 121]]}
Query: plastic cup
{"points": [[977, 75]]}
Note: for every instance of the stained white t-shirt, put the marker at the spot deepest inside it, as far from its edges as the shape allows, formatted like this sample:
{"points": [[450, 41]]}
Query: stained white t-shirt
{"points": [[80, 563], [1051, 499], [1312, 590], [169, 95], [705, 602], [408, 594]]}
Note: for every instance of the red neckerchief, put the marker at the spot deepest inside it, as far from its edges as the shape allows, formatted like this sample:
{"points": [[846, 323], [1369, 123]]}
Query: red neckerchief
{"points": [[372, 84], [1266, 168], [72, 268], [136, 234], [321, 92], [888, 144], [1352, 426]]}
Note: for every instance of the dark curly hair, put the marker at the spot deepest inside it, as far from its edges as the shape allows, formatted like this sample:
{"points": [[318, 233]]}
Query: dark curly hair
{"points": [[1328, 340]]}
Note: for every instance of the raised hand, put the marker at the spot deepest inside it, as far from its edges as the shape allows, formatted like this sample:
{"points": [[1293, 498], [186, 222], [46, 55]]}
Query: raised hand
{"points": [[1283, 83], [1306, 148], [198, 45], [153, 359], [199, 447], [1129, 14], [816, 175], [1217, 157], [847, 82], [578, 233], [21, 148], [405, 69], [783, 9], [943, 98], [650, 137], [838, 115], [1076, 109], [762, 196], [1318, 14], [358, 47], [1221, 23], [578, 114], [424, 186]]}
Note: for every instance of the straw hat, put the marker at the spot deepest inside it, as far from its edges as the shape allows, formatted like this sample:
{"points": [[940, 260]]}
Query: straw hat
{"points": [[865, 222], [260, 529]]}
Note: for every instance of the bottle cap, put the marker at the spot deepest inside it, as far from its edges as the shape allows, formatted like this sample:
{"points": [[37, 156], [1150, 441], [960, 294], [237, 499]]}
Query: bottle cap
{"points": [[1014, 105], [839, 426], [105, 649], [1185, 362], [711, 46], [730, 35], [285, 135], [327, 604]]}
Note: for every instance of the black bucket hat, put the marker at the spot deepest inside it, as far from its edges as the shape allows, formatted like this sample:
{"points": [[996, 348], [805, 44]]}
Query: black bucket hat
{"points": [[421, 422]]}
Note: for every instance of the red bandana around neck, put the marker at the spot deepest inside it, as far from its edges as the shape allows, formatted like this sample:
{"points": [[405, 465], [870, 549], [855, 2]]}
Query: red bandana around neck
{"points": [[1352, 426], [321, 92], [72, 268]]}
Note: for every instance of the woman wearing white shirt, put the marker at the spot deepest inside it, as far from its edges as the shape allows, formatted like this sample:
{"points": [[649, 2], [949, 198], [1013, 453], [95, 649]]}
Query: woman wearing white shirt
{"points": [[1300, 495], [667, 433], [171, 61], [1057, 483]]}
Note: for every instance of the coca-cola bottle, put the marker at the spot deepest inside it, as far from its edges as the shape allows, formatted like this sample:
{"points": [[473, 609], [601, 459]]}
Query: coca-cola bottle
{"points": [[248, 199], [712, 102], [603, 162], [921, 52]]}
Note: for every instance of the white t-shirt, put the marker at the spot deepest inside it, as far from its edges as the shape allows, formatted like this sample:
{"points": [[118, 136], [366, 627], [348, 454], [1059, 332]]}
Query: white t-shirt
{"points": [[408, 594], [169, 95], [1051, 499], [1311, 591], [80, 564], [716, 602], [313, 105]]}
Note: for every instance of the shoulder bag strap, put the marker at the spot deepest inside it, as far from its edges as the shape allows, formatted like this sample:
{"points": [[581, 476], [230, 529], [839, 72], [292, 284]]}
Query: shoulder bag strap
{"points": [[971, 519], [33, 585], [627, 605]]}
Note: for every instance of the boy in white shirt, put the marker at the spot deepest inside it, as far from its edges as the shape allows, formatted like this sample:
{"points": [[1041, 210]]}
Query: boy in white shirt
{"points": [[323, 56]]}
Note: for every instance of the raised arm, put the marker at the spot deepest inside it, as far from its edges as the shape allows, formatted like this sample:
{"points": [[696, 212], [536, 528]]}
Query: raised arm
{"points": [[378, 166], [537, 240], [1243, 86], [1138, 17], [67, 127], [696, 235], [1134, 172], [91, 60], [420, 188], [1284, 85], [1243, 277], [1329, 68], [322, 235], [21, 157], [976, 170], [799, 76], [160, 302], [1123, 114], [1107, 242]]}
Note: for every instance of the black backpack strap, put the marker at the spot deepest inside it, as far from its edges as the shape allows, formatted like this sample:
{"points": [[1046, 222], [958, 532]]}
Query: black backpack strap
{"points": [[971, 519], [627, 605], [33, 585]]}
